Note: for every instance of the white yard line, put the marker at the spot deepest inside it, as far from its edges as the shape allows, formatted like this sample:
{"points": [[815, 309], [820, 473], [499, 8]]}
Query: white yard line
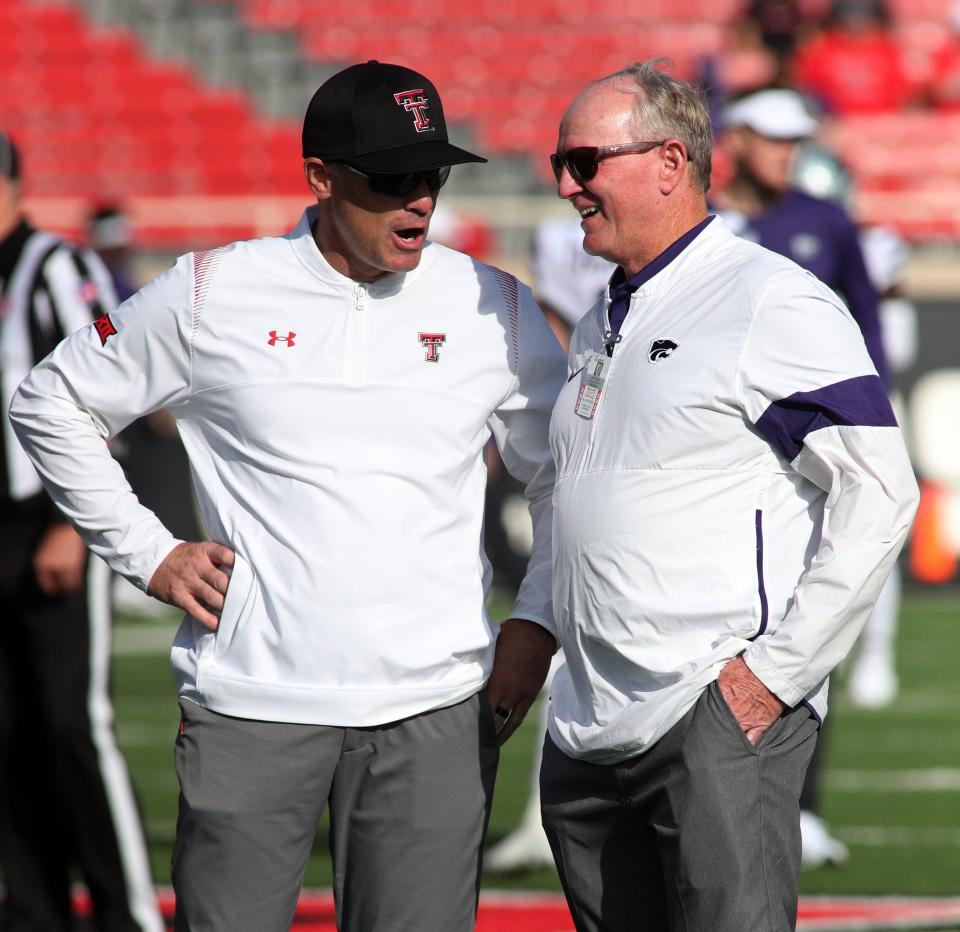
{"points": [[932, 780], [899, 836]]}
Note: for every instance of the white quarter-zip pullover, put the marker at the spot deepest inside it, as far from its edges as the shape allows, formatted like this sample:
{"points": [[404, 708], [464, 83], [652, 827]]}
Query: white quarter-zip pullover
{"points": [[336, 434], [742, 487]]}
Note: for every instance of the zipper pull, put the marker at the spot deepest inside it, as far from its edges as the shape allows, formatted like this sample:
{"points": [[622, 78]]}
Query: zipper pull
{"points": [[610, 340]]}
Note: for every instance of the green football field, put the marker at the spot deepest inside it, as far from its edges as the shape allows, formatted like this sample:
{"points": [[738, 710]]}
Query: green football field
{"points": [[893, 777]]}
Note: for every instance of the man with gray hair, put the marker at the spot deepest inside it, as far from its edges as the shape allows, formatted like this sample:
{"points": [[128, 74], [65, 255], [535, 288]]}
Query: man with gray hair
{"points": [[732, 490]]}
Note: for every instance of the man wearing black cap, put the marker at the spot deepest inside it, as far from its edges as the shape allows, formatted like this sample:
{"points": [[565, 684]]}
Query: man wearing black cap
{"points": [[65, 796], [334, 389]]}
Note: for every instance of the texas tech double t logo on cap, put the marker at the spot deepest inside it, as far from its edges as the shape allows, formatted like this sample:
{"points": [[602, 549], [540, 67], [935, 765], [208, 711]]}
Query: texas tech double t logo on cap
{"points": [[380, 118], [414, 101]]}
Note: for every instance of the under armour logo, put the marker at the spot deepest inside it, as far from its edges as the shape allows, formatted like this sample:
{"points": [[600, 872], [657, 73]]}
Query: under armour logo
{"points": [[288, 339], [414, 102], [105, 328], [432, 343], [660, 350]]}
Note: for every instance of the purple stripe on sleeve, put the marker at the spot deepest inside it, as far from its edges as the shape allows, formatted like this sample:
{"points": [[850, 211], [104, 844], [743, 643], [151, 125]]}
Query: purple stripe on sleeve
{"points": [[813, 712], [760, 586], [859, 402]]}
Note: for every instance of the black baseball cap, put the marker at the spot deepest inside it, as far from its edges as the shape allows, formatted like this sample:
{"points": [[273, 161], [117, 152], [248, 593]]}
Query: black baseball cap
{"points": [[9, 158], [380, 118]]}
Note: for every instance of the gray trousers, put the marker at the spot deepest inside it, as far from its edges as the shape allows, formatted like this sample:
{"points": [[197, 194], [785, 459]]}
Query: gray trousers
{"points": [[699, 834], [409, 804]]}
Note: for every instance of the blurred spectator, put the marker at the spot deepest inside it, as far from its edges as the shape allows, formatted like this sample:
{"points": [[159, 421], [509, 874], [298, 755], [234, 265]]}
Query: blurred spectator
{"points": [[568, 283], [109, 234], [149, 449], [568, 280], [464, 233], [65, 795], [777, 24], [873, 681], [507, 531], [771, 31], [855, 65], [944, 87], [763, 135]]}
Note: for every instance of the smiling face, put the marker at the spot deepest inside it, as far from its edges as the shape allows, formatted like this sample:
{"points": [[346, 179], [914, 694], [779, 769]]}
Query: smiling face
{"points": [[622, 205], [362, 234]]}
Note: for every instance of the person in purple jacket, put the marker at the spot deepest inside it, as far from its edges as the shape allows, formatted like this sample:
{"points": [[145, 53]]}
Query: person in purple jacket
{"points": [[762, 134]]}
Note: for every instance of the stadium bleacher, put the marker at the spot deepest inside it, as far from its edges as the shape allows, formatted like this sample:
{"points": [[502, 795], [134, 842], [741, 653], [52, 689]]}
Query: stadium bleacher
{"points": [[100, 117]]}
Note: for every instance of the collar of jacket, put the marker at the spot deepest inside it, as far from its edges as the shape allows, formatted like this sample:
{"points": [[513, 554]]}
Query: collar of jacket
{"points": [[305, 247]]}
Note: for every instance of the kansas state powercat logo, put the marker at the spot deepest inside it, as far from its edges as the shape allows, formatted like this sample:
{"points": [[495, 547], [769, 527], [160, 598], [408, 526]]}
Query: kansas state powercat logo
{"points": [[286, 341], [432, 343], [660, 350], [414, 102]]}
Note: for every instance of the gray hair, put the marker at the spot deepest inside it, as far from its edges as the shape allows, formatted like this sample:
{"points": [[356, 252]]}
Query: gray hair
{"points": [[670, 109]]}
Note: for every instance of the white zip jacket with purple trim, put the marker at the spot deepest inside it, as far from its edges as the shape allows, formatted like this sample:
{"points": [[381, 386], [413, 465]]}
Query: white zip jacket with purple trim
{"points": [[336, 435], [742, 488]]}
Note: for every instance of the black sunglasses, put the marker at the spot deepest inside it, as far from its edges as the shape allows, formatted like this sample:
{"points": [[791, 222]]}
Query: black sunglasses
{"points": [[583, 161], [402, 183]]}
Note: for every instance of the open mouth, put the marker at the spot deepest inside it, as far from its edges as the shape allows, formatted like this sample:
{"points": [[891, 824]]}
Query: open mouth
{"points": [[587, 212], [411, 237]]}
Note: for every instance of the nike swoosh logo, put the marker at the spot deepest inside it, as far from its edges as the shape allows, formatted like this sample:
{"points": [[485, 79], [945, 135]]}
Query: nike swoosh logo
{"points": [[575, 374]]}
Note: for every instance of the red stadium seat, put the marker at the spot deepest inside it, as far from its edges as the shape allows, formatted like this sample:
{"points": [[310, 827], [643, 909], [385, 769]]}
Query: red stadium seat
{"points": [[134, 126]]}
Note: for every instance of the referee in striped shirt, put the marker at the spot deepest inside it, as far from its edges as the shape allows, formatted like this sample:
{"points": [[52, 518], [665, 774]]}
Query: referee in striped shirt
{"points": [[65, 795]]}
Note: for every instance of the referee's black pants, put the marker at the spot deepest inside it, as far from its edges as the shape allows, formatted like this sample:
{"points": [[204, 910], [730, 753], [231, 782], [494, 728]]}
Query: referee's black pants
{"points": [[65, 795]]}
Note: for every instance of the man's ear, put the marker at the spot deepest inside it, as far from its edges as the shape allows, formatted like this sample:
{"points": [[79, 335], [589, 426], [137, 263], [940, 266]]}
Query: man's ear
{"points": [[318, 177], [673, 165]]}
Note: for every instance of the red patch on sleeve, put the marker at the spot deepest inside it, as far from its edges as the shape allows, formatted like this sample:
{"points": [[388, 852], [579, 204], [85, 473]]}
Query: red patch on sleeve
{"points": [[105, 328]]}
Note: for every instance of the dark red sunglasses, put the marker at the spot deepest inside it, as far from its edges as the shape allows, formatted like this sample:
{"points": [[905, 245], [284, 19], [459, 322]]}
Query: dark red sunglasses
{"points": [[583, 161]]}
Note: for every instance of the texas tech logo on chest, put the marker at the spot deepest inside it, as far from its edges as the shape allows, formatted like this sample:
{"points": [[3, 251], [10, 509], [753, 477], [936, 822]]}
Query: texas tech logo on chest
{"points": [[432, 343], [414, 102]]}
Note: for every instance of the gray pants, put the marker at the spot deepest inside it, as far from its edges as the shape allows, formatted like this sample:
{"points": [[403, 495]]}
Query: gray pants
{"points": [[409, 804], [699, 834]]}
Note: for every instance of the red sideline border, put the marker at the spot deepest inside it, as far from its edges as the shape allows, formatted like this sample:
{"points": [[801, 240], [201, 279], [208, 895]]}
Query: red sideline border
{"points": [[547, 912]]}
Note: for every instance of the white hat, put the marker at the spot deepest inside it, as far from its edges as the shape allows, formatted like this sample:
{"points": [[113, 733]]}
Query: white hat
{"points": [[778, 114]]}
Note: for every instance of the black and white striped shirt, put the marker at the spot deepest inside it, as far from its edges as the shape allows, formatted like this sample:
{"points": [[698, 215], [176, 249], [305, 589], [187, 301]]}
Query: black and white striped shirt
{"points": [[48, 289]]}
